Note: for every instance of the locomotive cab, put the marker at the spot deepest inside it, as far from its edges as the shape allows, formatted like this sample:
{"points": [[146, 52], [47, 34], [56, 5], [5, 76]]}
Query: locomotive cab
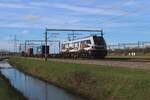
{"points": [[98, 42], [99, 49]]}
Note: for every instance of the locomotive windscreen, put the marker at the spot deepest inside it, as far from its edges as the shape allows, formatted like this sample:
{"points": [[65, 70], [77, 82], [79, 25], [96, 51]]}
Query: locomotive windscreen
{"points": [[98, 40]]}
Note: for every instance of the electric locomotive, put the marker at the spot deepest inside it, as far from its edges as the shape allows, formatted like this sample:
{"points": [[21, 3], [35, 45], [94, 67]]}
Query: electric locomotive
{"points": [[93, 46]]}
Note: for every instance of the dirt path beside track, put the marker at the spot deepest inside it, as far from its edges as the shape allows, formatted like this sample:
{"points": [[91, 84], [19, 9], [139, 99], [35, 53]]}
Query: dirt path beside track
{"points": [[112, 63], [139, 65]]}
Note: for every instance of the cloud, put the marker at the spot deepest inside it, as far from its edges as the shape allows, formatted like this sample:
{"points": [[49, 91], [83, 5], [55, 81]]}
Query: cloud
{"points": [[32, 17], [79, 9], [25, 32], [38, 22], [131, 3], [14, 5], [10, 16], [19, 25], [88, 10], [105, 9], [42, 19]]}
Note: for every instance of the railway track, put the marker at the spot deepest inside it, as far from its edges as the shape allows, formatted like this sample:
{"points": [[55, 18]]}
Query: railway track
{"points": [[138, 63], [128, 63], [128, 59]]}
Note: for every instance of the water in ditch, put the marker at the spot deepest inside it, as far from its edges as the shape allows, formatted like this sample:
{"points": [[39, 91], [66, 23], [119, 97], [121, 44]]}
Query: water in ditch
{"points": [[33, 88]]}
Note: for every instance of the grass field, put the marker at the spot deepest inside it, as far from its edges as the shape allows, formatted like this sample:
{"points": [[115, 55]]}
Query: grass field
{"points": [[7, 92], [91, 81]]}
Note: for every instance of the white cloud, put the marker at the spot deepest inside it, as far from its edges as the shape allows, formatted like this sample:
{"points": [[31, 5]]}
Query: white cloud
{"points": [[88, 10], [19, 25], [55, 20], [79, 9], [14, 5], [25, 32], [130, 3], [32, 17]]}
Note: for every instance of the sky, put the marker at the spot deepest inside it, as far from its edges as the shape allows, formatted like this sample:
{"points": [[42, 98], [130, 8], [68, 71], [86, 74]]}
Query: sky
{"points": [[121, 20]]}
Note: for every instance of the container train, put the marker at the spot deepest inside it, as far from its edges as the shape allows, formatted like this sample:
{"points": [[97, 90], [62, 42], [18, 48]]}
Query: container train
{"points": [[88, 47], [38, 51]]}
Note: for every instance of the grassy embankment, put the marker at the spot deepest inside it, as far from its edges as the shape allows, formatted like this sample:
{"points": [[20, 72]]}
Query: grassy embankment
{"points": [[92, 81], [7, 92]]}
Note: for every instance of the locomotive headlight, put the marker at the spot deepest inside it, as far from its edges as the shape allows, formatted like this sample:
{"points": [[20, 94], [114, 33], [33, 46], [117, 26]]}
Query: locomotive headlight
{"points": [[93, 47]]}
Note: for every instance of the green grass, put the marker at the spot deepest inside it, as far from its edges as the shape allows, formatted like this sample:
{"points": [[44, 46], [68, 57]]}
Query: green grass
{"points": [[7, 92], [92, 81]]}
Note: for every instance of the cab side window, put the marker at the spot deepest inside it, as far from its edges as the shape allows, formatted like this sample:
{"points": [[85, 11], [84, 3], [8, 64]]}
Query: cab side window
{"points": [[88, 41]]}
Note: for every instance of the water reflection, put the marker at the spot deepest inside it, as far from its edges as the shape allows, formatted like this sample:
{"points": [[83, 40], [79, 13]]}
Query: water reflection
{"points": [[35, 89]]}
